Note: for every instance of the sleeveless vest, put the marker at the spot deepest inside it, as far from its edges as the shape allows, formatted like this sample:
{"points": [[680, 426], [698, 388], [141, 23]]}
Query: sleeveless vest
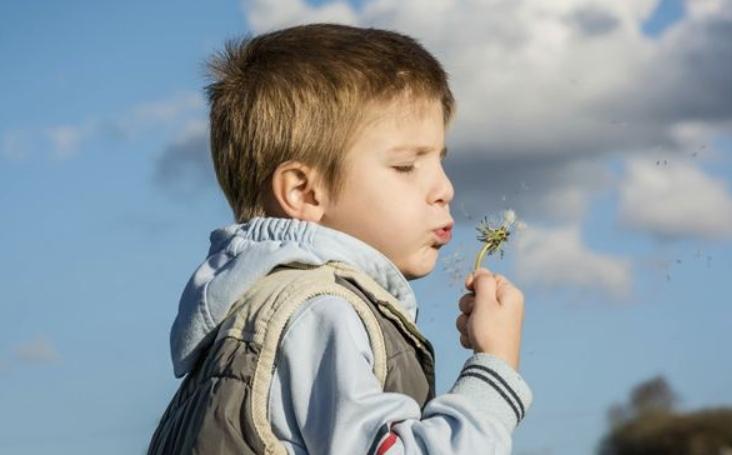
{"points": [[221, 405]]}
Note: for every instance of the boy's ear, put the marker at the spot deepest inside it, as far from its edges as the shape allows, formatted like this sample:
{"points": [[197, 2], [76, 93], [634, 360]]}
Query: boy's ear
{"points": [[296, 192]]}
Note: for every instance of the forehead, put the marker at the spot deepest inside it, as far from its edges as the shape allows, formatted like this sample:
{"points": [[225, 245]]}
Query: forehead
{"points": [[403, 125]]}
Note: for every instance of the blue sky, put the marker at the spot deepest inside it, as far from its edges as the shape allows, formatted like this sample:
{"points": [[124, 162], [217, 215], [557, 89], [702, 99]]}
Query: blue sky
{"points": [[106, 214]]}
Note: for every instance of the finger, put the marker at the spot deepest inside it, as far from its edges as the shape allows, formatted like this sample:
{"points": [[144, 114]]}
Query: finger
{"points": [[502, 280], [465, 341], [466, 303], [501, 288], [470, 279], [504, 287], [462, 324]]}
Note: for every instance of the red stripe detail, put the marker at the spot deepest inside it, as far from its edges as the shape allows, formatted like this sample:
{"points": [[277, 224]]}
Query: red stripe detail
{"points": [[387, 444]]}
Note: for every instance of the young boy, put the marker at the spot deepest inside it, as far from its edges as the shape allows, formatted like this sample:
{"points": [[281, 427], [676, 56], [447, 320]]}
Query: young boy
{"points": [[298, 333]]}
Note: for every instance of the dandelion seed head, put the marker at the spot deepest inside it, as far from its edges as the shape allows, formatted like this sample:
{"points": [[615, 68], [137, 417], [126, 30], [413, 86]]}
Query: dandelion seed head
{"points": [[493, 237]]}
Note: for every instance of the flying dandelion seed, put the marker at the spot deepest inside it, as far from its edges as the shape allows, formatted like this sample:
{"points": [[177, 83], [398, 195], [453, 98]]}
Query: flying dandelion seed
{"points": [[665, 266], [465, 212], [456, 266]]}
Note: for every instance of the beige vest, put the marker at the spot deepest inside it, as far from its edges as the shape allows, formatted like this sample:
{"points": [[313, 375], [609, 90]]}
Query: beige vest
{"points": [[221, 405]]}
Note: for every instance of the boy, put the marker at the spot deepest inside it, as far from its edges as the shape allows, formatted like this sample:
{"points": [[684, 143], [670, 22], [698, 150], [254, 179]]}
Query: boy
{"points": [[298, 333]]}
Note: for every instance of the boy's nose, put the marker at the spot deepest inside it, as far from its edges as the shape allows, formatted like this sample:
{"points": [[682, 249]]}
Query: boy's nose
{"points": [[444, 191]]}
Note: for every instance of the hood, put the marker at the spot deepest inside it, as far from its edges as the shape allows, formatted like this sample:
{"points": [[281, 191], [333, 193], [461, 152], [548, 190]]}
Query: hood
{"points": [[240, 254]]}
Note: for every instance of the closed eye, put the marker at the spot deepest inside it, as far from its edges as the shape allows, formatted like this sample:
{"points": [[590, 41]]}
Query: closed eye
{"points": [[404, 169]]}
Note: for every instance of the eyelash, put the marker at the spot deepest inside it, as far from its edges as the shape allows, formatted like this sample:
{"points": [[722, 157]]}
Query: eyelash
{"points": [[404, 169], [410, 168]]}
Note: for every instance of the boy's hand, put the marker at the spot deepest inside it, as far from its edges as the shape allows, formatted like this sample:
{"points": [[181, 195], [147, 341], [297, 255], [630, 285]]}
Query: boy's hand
{"points": [[491, 316]]}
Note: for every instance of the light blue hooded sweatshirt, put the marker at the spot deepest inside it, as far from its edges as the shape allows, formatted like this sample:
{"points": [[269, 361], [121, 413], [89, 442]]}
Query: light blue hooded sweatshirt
{"points": [[325, 353]]}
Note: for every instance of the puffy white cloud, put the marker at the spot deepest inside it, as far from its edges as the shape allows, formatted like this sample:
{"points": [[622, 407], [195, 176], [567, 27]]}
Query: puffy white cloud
{"points": [[674, 200], [556, 257]]}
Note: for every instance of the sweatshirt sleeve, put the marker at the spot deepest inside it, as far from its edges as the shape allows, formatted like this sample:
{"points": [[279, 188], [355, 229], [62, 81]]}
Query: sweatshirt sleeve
{"points": [[325, 398]]}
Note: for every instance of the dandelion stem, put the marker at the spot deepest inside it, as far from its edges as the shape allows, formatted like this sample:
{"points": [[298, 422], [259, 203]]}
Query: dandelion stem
{"points": [[479, 259]]}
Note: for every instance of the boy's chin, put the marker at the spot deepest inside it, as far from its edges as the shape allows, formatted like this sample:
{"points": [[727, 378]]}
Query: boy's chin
{"points": [[413, 274]]}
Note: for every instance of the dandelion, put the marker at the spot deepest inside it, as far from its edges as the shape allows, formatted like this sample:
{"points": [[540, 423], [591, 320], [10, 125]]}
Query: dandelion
{"points": [[492, 238]]}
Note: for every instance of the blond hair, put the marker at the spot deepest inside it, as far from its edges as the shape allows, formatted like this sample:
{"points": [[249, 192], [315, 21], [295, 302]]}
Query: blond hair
{"points": [[301, 93]]}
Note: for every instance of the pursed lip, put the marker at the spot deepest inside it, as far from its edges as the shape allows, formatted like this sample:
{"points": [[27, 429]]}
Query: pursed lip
{"points": [[444, 233]]}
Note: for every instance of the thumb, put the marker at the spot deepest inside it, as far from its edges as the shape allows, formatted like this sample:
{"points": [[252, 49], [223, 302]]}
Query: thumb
{"points": [[470, 279], [484, 285]]}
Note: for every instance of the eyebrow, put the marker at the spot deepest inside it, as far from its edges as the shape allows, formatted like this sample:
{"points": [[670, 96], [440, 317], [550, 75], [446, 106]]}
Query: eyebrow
{"points": [[421, 150]]}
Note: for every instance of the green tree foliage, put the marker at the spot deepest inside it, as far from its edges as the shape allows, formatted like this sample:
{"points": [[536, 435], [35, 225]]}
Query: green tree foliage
{"points": [[649, 425]]}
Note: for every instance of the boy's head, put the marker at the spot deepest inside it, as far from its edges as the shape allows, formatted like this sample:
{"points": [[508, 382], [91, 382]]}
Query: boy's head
{"points": [[303, 123]]}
